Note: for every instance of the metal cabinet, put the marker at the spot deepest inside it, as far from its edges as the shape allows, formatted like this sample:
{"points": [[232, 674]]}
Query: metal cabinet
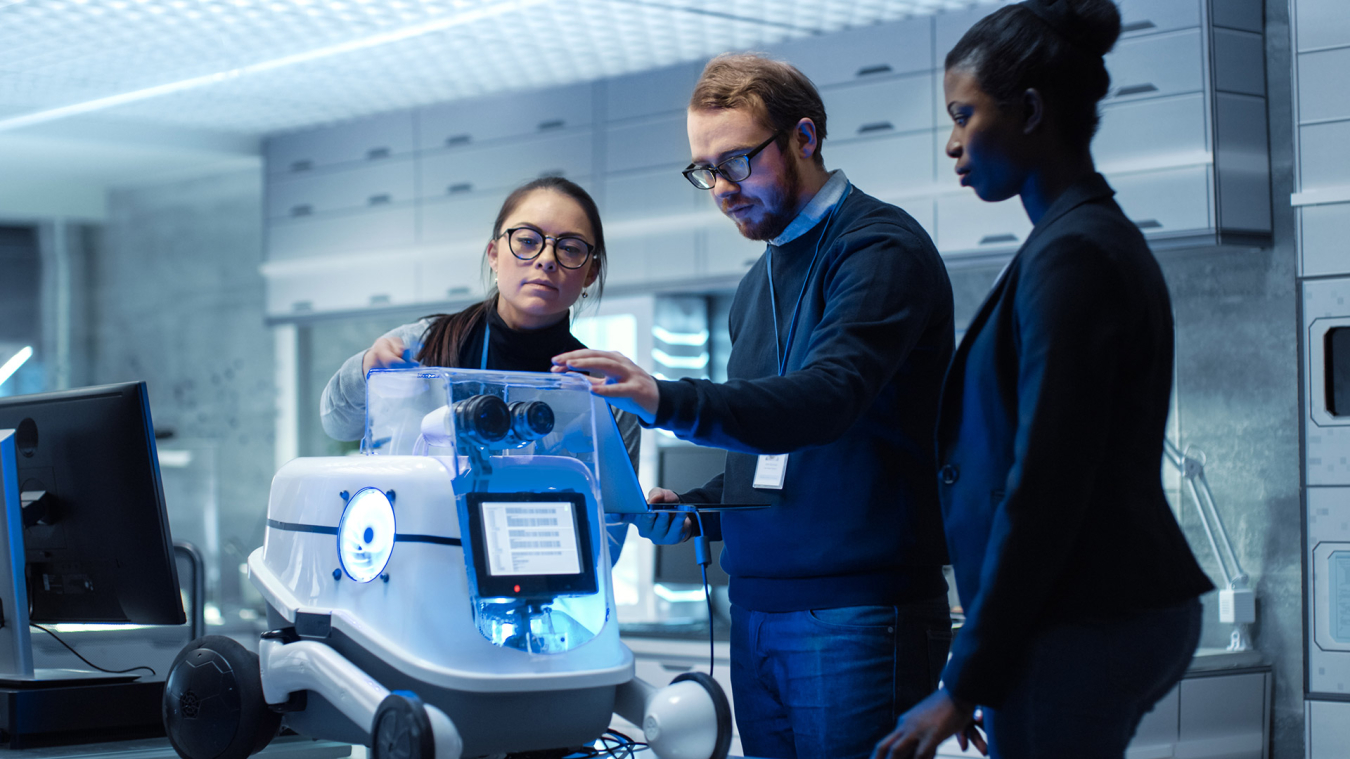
{"points": [[1324, 160], [1327, 726], [1321, 24], [1324, 239], [967, 225], [1156, 65], [1322, 94], [857, 55], [652, 226], [381, 183], [340, 283], [661, 91], [505, 116], [647, 143], [1166, 131], [373, 138], [336, 234], [889, 106], [1166, 201], [1140, 17], [479, 169]]}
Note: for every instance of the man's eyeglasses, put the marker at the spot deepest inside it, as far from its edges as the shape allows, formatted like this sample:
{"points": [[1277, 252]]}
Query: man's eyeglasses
{"points": [[733, 169], [526, 243]]}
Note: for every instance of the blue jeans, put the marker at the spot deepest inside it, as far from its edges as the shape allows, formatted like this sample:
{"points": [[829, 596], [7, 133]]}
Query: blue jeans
{"points": [[831, 682], [1088, 684]]}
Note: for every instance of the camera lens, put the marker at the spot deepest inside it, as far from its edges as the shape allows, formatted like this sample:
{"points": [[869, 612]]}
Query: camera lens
{"points": [[482, 418], [531, 420]]}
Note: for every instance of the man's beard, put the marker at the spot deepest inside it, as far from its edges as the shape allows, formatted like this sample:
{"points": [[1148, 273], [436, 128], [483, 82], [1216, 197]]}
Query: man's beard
{"points": [[779, 207]]}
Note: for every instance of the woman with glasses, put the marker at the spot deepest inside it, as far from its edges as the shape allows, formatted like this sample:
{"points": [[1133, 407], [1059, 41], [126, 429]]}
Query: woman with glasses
{"points": [[547, 251]]}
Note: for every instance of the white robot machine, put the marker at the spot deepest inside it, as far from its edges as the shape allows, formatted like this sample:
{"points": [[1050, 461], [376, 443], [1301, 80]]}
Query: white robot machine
{"points": [[445, 595]]}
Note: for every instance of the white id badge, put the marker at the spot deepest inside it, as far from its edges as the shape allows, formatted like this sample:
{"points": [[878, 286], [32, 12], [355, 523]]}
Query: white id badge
{"points": [[770, 471]]}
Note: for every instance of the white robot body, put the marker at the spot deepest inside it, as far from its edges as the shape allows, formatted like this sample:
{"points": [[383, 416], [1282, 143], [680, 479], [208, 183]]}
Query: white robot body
{"points": [[456, 602]]}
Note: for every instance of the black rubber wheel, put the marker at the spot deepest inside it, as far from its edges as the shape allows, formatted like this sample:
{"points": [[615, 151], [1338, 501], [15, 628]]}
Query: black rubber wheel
{"points": [[402, 729], [213, 704], [720, 705]]}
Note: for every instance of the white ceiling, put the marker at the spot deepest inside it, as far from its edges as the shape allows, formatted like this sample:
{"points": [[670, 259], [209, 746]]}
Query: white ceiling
{"points": [[214, 76]]}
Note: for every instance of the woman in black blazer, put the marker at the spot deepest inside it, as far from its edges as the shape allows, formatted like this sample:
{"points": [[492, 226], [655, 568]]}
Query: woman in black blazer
{"points": [[1079, 588]]}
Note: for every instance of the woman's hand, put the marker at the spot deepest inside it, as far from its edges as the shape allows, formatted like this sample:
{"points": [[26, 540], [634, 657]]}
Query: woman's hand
{"points": [[623, 383], [663, 529], [920, 731], [385, 353]]}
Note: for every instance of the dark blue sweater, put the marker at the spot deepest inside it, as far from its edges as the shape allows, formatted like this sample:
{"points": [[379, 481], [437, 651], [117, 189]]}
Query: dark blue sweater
{"points": [[857, 521]]}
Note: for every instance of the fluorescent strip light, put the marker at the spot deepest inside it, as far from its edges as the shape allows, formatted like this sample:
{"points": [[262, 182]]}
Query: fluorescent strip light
{"points": [[679, 338], [14, 362], [680, 362], [397, 35]]}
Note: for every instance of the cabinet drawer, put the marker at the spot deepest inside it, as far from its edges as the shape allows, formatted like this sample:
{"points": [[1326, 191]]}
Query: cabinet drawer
{"points": [[514, 115], [887, 167], [660, 141], [651, 92], [634, 198], [967, 224], [949, 27], [1325, 242], [456, 275], [381, 183], [890, 106], [1322, 23], [1322, 155], [1163, 131], [1223, 716], [460, 220], [1322, 93], [858, 54], [1158, 64], [473, 170], [342, 286], [368, 139], [657, 258], [1166, 201], [1139, 17], [341, 233]]}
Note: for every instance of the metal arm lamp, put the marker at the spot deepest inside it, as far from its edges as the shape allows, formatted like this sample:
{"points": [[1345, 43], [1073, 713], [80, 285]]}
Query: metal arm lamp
{"points": [[1237, 602]]}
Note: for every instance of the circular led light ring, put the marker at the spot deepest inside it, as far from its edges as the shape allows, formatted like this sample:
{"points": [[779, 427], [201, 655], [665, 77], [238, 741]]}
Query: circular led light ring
{"points": [[366, 534]]}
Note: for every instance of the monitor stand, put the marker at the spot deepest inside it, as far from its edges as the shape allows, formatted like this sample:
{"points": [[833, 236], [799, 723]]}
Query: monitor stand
{"points": [[41, 706]]}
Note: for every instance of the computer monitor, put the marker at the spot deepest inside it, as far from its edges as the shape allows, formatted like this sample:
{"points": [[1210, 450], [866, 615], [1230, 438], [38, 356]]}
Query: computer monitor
{"points": [[97, 547]]}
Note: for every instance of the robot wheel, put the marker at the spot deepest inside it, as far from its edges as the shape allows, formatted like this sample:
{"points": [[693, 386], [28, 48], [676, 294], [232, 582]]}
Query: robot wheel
{"points": [[213, 704], [402, 729], [720, 706]]}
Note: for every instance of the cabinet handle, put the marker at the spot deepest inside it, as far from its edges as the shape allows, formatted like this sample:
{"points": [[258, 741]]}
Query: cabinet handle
{"points": [[375, 154], [876, 126], [304, 210], [881, 68], [379, 200], [302, 165], [1137, 89], [460, 290], [1137, 26], [457, 139], [1148, 224], [302, 306], [551, 173], [995, 239], [544, 126], [675, 667], [460, 188], [379, 300]]}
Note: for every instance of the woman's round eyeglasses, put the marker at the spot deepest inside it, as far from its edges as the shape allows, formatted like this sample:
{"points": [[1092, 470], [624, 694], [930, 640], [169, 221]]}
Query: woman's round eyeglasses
{"points": [[733, 169], [526, 243]]}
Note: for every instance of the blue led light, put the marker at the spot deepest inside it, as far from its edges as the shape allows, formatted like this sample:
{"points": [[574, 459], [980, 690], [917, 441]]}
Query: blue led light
{"points": [[366, 534]]}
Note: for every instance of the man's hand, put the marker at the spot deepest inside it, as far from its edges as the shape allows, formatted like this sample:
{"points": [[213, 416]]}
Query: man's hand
{"points": [[623, 383], [663, 529], [385, 353], [920, 731]]}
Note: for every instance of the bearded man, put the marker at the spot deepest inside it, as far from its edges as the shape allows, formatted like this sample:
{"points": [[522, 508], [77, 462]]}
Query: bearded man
{"points": [[841, 333]]}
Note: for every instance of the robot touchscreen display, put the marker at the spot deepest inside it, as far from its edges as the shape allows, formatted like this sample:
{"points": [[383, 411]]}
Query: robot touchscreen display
{"points": [[531, 545]]}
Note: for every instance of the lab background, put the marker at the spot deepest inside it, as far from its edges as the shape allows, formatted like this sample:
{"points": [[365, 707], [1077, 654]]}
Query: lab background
{"points": [[227, 199]]}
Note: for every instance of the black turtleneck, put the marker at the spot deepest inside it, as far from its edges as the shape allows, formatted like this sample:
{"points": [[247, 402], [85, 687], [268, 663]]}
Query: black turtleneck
{"points": [[517, 350]]}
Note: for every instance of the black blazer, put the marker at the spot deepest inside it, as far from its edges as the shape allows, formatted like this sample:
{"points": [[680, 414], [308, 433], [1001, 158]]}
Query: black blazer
{"points": [[1049, 443]]}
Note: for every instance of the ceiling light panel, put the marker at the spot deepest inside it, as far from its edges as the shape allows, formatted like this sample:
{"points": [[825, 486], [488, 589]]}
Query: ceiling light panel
{"points": [[263, 66]]}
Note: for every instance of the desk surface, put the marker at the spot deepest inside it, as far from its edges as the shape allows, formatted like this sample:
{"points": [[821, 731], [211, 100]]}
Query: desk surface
{"points": [[289, 747]]}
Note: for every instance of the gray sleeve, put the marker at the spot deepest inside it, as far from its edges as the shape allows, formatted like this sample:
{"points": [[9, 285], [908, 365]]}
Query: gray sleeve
{"points": [[631, 432], [342, 408]]}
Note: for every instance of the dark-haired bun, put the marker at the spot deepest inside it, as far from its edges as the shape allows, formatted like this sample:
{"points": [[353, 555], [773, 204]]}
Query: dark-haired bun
{"points": [[1092, 26]]}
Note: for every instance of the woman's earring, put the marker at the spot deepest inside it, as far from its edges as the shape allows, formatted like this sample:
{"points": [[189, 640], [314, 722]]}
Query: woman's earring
{"points": [[585, 295]]}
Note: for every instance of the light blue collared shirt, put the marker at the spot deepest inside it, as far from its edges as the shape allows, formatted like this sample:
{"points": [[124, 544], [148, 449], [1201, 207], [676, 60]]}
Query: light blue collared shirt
{"points": [[831, 194]]}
